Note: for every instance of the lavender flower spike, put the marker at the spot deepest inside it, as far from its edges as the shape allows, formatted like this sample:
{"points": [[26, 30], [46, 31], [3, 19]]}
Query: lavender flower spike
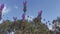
{"points": [[40, 13], [23, 16], [1, 6]]}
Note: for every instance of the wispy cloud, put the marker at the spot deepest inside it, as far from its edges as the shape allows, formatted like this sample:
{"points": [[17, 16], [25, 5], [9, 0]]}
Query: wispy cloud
{"points": [[5, 10], [1, 21], [16, 7], [30, 18]]}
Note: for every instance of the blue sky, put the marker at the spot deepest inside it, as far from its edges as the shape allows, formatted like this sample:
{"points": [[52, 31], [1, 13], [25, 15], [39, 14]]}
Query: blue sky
{"points": [[50, 8]]}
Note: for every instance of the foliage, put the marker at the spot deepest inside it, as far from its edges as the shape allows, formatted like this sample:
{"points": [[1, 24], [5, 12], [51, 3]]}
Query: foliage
{"points": [[9, 25]]}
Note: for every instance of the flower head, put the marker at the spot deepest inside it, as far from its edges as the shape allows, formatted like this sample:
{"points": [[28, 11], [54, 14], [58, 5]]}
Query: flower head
{"points": [[23, 16], [1, 6], [40, 13]]}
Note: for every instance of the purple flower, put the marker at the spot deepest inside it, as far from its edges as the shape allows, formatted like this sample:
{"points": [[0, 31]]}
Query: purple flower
{"points": [[40, 13], [1, 6], [24, 2], [23, 16], [14, 18]]}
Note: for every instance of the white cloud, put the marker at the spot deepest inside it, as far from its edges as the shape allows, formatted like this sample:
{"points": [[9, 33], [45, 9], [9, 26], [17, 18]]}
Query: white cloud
{"points": [[5, 10], [1, 21], [16, 7], [50, 28], [30, 18]]}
